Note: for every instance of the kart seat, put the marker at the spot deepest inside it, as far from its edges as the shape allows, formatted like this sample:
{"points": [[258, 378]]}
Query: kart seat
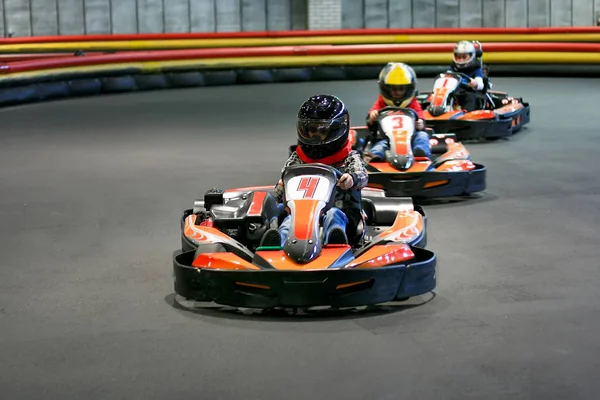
{"points": [[486, 84], [440, 148], [259, 208], [357, 226], [478, 49]]}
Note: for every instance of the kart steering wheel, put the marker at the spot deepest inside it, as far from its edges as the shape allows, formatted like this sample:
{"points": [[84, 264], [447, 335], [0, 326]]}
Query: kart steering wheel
{"points": [[337, 172], [392, 108], [377, 126], [464, 79], [338, 175]]}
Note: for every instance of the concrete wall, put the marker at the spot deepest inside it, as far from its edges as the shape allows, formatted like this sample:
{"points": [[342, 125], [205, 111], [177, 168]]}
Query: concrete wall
{"points": [[468, 13], [79, 17], [63, 17]]}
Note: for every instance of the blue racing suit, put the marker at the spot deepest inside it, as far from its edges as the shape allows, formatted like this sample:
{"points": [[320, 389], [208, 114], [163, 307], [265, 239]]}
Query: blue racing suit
{"points": [[466, 98], [420, 141], [347, 205]]}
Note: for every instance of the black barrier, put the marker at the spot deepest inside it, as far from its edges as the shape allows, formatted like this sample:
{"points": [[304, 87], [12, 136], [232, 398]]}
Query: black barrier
{"points": [[19, 91]]}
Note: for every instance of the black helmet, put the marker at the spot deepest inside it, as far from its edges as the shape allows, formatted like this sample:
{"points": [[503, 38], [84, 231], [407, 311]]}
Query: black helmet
{"points": [[323, 126]]}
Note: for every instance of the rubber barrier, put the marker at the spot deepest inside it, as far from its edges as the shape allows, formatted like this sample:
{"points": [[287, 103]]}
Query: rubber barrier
{"points": [[496, 53], [137, 45], [300, 33], [443, 49], [60, 77], [131, 80]]}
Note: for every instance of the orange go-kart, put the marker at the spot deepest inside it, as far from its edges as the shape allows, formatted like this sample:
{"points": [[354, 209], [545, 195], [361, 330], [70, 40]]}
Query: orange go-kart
{"points": [[449, 172], [497, 115], [221, 260]]}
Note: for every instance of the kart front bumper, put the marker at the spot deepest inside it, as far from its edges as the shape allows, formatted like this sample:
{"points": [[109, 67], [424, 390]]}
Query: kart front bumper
{"points": [[266, 289], [472, 129], [430, 184], [507, 125]]}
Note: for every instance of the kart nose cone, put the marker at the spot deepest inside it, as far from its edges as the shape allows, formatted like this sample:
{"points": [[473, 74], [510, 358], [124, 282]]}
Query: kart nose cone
{"points": [[302, 251], [401, 163], [436, 110]]}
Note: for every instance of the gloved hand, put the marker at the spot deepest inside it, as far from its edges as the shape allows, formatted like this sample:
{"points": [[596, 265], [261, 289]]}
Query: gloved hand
{"points": [[345, 182], [373, 115], [420, 125]]}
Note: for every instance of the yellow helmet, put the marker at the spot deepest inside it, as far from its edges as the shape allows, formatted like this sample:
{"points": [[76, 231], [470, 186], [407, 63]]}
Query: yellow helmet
{"points": [[397, 84]]}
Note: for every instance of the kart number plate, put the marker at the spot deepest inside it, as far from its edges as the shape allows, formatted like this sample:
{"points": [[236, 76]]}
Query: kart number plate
{"points": [[308, 187], [397, 123]]}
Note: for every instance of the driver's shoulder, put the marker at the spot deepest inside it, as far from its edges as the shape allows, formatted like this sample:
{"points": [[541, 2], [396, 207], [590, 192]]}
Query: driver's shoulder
{"points": [[294, 158], [353, 157]]}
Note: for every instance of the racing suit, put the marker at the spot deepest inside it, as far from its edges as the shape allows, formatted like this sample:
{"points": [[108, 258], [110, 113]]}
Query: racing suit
{"points": [[420, 141], [347, 206], [465, 98]]}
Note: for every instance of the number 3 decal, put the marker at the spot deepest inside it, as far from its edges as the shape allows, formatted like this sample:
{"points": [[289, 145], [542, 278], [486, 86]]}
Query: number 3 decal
{"points": [[397, 123], [309, 186]]}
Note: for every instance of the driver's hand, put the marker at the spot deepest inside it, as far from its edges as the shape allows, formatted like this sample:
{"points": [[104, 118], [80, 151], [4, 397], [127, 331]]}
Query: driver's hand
{"points": [[473, 83], [345, 182], [420, 124], [372, 115]]}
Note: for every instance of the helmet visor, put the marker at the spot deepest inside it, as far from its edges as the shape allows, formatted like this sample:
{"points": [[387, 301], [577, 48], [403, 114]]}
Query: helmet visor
{"points": [[397, 92], [462, 58], [321, 131]]}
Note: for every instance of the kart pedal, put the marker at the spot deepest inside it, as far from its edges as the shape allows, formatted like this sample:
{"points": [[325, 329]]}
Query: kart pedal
{"points": [[271, 238], [419, 152], [337, 236]]}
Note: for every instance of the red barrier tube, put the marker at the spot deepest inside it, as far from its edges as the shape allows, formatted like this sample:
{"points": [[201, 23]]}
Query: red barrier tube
{"points": [[298, 33], [166, 55], [10, 58]]}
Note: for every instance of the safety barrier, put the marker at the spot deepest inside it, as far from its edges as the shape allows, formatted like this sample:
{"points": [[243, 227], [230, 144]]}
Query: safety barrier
{"points": [[292, 38], [43, 77]]}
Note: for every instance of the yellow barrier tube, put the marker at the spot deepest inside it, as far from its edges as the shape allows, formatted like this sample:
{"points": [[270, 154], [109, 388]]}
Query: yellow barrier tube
{"points": [[290, 41], [306, 61]]}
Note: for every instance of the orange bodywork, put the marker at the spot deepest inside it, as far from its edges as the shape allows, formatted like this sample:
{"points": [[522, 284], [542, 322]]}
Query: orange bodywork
{"points": [[478, 115], [407, 226], [474, 115], [380, 256], [280, 260], [418, 166], [510, 107], [456, 152], [257, 203], [306, 212], [250, 188], [352, 136], [456, 165], [436, 100], [438, 96], [204, 234], [376, 257], [435, 183], [223, 261], [401, 141]]}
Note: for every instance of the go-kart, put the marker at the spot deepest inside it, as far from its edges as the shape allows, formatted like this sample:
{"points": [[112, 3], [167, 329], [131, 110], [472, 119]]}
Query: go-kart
{"points": [[449, 172], [497, 115], [222, 261]]}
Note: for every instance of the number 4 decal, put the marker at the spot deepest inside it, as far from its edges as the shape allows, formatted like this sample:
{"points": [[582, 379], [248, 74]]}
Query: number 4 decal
{"points": [[309, 186]]}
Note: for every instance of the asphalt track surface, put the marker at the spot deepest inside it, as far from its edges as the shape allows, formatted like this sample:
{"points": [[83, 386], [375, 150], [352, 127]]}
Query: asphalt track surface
{"points": [[92, 191]]}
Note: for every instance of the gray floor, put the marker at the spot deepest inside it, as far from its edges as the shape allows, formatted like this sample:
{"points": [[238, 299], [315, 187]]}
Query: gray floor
{"points": [[91, 194]]}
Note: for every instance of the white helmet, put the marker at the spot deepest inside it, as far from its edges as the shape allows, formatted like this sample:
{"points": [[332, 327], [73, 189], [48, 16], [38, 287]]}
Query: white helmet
{"points": [[464, 54]]}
